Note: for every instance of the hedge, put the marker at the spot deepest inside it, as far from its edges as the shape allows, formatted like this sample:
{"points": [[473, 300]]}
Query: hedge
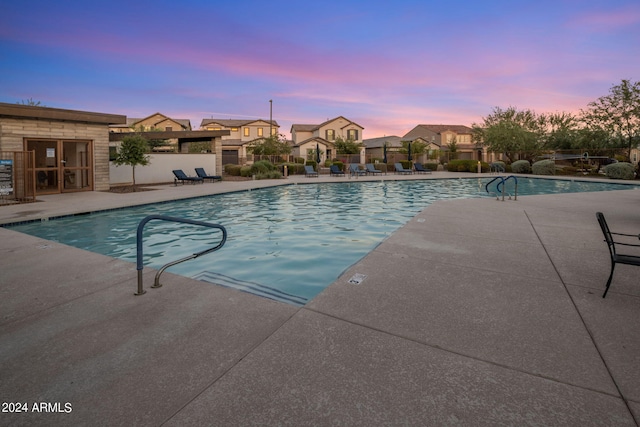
{"points": [[621, 170], [521, 166], [467, 166], [544, 167]]}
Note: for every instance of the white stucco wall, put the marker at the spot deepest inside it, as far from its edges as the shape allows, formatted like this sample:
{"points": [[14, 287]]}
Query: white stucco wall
{"points": [[160, 167]]}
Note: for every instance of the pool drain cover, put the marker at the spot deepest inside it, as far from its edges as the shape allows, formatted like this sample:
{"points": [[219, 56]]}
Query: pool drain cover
{"points": [[357, 278]]}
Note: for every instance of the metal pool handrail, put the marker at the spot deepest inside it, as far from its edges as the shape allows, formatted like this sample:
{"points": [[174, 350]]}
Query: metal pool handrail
{"points": [[504, 182], [501, 182], [139, 263]]}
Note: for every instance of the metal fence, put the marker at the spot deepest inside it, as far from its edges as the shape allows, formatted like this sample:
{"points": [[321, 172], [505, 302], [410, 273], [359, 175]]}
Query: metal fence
{"points": [[17, 177]]}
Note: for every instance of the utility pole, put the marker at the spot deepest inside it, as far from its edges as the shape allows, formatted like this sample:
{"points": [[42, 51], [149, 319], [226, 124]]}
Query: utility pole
{"points": [[270, 118]]}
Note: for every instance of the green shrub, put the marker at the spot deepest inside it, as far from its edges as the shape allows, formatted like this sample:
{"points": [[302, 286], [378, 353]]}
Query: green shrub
{"points": [[273, 174], [432, 166], [339, 164], [466, 166], [498, 166], [407, 164], [245, 171], [621, 170], [300, 160], [233, 170], [567, 170], [453, 165], [312, 163], [521, 166], [262, 166], [293, 168], [544, 167]]}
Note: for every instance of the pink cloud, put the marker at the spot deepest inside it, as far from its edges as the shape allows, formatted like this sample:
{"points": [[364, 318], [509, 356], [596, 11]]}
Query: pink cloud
{"points": [[607, 20]]}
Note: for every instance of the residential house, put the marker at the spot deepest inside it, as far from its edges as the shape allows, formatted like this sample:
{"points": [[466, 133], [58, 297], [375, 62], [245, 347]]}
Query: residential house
{"points": [[306, 138], [375, 151], [155, 123], [439, 137], [241, 134]]}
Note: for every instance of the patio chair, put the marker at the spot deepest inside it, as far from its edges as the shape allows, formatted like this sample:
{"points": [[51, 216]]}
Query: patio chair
{"points": [[616, 258], [182, 177], [372, 169], [402, 170], [202, 174], [309, 172], [334, 170], [354, 169], [421, 169]]}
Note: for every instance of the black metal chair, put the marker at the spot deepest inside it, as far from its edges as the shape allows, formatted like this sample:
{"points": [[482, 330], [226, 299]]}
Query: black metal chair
{"points": [[616, 258]]}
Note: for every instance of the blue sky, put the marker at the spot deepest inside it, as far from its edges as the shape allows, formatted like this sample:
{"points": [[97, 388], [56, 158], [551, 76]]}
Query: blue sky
{"points": [[388, 66]]}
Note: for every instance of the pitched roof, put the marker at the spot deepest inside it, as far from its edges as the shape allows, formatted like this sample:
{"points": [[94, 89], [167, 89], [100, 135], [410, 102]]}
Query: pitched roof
{"points": [[234, 123], [312, 128], [392, 141], [303, 128], [185, 123]]}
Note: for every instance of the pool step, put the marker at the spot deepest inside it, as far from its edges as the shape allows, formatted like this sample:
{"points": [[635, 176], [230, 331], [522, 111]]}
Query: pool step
{"points": [[251, 287]]}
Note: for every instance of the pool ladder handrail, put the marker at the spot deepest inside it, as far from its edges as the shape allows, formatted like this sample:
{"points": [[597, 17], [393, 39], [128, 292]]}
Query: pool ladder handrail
{"points": [[502, 182], [139, 254]]}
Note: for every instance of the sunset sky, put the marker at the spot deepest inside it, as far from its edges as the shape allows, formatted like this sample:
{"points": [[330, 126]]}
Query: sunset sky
{"points": [[387, 66]]}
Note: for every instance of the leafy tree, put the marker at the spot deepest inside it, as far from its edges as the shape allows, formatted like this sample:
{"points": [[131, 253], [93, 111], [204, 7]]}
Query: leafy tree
{"points": [[562, 131], [417, 147], [453, 148], [347, 146], [198, 147], [617, 114], [153, 143], [132, 152], [510, 132], [274, 145], [312, 154], [595, 141]]}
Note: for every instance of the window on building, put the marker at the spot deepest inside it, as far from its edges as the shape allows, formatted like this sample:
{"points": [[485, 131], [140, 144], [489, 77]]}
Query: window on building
{"points": [[352, 134], [330, 135], [259, 131], [246, 131], [234, 129], [274, 131]]}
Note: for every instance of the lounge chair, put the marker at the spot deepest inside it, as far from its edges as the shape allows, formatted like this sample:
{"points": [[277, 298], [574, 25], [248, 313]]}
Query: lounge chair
{"points": [[402, 170], [354, 169], [421, 169], [616, 258], [372, 169], [202, 174], [182, 177], [309, 172], [334, 170]]}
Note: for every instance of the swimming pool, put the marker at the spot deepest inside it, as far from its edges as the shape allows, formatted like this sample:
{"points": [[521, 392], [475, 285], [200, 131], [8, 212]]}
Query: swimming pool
{"points": [[286, 243]]}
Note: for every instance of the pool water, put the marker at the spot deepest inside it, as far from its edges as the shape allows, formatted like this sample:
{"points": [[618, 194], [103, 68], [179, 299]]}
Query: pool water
{"points": [[286, 243]]}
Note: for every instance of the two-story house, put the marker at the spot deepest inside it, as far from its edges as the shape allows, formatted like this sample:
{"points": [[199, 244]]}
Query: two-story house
{"points": [[154, 123], [157, 121], [306, 139], [440, 137], [242, 133]]}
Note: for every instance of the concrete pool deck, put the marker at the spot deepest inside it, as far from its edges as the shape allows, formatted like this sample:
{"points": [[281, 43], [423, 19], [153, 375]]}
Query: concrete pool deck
{"points": [[476, 312]]}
